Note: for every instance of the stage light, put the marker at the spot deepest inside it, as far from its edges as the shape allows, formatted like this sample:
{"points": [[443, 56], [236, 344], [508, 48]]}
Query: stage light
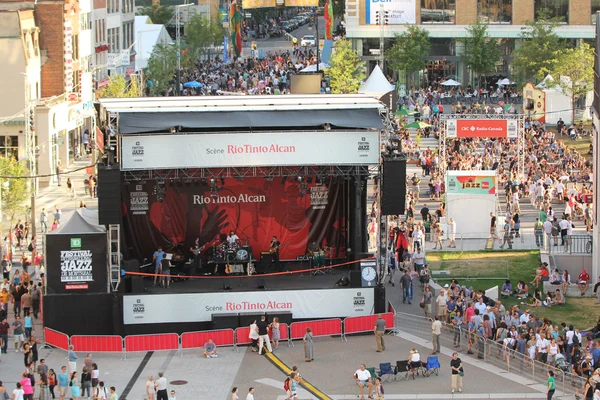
{"points": [[223, 180], [299, 178], [188, 182], [171, 182], [196, 183], [179, 182], [310, 179], [319, 181], [283, 180]]}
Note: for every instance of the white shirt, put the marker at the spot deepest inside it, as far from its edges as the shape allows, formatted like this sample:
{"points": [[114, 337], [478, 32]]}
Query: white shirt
{"points": [[564, 224], [232, 239], [553, 350], [481, 307], [570, 336], [559, 187], [161, 383], [452, 227], [101, 392], [419, 258], [18, 394], [250, 396], [542, 345], [524, 318], [362, 375], [548, 227]]}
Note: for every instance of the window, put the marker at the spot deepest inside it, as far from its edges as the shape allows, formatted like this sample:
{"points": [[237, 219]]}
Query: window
{"points": [[547, 9], [85, 21], [442, 47], [495, 11], [113, 40], [595, 8], [438, 11], [75, 47], [9, 146]]}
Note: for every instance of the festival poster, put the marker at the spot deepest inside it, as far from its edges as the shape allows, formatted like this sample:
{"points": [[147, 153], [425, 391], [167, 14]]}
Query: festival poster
{"points": [[469, 184], [174, 215]]}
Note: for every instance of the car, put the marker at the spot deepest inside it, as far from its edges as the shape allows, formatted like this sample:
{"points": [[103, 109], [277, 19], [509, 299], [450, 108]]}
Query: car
{"points": [[308, 40]]}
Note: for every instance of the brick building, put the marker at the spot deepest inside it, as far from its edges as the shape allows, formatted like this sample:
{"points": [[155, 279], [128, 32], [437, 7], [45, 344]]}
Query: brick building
{"points": [[447, 20]]}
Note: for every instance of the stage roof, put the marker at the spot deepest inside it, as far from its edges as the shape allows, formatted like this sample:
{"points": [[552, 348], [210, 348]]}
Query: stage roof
{"points": [[156, 114]]}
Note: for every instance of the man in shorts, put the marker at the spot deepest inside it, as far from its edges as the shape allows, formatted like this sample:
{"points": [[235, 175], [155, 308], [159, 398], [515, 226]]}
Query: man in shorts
{"points": [[18, 333], [157, 258], [63, 382], [363, 378]]}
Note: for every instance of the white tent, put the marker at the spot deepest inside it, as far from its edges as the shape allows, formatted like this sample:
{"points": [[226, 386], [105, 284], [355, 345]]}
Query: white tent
{"points": [[504, 82], [376, 84], [451, 82], [313, 68], [147, 36], [558, 104]]}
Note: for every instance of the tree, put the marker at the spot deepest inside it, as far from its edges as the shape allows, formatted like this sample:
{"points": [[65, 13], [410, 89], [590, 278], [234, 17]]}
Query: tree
{"points": [[409, 49], [120, 87], [573, 72], [158, 14], [201, 33], [161, 68], [15, 190], [345, 71], [539, 42], [481, 52]]}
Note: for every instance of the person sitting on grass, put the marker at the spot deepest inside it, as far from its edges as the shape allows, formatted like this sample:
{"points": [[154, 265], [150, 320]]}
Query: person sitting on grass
{"points": [[507, 288], [522, 290], [210, 349], [559, 298]]}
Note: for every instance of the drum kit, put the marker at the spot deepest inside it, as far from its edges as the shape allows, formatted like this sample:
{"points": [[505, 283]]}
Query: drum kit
{"points": [[231, 253]]}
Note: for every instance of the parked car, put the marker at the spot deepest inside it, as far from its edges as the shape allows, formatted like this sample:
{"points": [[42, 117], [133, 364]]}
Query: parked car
{"points": [[308, 40]]}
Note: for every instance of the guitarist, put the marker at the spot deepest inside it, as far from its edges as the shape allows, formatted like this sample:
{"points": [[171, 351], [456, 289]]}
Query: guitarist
{"points": [[274, 250], [196, 249]]}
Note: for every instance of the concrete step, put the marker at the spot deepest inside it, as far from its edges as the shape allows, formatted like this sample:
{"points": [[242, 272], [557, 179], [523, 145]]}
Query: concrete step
{"points": [[572, 290]]}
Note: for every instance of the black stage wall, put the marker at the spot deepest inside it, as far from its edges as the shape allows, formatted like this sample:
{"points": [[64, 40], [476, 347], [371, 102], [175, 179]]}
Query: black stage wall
{"points": [[256, 208], [81, 314]]}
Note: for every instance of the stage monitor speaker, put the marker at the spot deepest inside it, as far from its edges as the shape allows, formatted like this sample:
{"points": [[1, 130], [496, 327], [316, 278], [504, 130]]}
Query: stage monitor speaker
{"points": [[109, 195], [225, 321], [260, 284], [132, 265], [137, 284], [355, 280], [226, 284], [246, 318], [393, 194], [380, 299], [343, 281], [285, 317]]}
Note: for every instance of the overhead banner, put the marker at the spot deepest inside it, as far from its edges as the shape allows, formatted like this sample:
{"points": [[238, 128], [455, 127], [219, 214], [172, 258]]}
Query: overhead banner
{"points": [[199, 307], [173, 216], [249, 149], [481, 128], [247, 4], [76, 263], [470, 184], [302, 3], [399, 12]]}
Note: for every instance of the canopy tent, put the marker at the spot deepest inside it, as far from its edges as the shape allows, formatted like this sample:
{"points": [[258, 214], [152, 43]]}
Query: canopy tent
{"points": [[451, 82], [376, 84], [313, 68], [82, 221], [147, 36], [505, 82], [558, 104]]}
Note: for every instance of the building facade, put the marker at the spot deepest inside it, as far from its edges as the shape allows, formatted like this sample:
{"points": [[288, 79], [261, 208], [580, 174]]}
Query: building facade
{"points": [[120, 36], [447, 20], [100, 42]]}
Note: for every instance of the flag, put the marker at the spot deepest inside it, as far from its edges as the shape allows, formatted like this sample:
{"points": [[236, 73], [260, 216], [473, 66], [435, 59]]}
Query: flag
{"points": [[235, 19], [328, 20]]}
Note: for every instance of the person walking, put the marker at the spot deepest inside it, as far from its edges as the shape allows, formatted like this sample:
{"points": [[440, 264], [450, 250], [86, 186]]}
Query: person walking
{"points": [[308, 345], [44, 220], [263, 335], [550, 388], [436, 331], [150, 392], [161, 387], [379, 330], [275, 333], [72, 357], [457, 373], [405, 284]]}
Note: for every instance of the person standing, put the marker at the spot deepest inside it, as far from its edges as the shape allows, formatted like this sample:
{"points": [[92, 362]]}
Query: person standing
{"points": [[17, 327], [405, 284], [452, 233], [59, 171], [161, 387], [6, 267], [4, 328], [157, 258], [63, 382], [538, 230], [493, 221], [436, 331], [263, 335], [308, 345], [550, 388], [457, 372], [274, 250], [379, 330], [250, 395], [427, 299], [150, 393], [44, 220]]}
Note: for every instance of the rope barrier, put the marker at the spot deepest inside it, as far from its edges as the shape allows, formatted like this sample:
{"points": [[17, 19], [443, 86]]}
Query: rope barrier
{"points": [[248, 276]]}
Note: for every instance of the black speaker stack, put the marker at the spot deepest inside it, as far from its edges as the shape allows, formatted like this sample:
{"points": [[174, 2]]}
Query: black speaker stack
{"points": [[393, 194], [109, 195]]}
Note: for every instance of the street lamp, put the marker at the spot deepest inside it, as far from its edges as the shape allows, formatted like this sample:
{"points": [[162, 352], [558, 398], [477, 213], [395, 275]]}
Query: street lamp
{"points": [[178, 37]]}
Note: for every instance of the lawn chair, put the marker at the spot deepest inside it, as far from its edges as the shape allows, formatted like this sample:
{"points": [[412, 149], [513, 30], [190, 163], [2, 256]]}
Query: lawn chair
{"points": [[402, 370], [433, 366], [386, 372], [373, 373]]}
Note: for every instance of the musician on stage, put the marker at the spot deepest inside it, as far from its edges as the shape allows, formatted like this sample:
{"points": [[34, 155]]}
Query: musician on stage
{"points": [[232, 239], [274, 250], [318, 255], [196, 249]]}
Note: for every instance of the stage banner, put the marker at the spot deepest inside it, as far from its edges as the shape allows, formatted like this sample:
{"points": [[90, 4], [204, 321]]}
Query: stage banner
{"points": [[249, 149], [399, 11], [481, 128], [302, 3], [470, 184], [173, 215], [76, 263], [199, 307], [247, 4]]}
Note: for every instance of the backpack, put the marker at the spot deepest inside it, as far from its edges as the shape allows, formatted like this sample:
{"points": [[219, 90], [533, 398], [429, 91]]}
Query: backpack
{"points": [[575, 339], [30, 247], [286, 384]]}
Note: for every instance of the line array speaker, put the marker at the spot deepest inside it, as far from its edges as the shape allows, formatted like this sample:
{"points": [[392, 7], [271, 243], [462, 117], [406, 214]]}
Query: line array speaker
{"points": [[109, 195], [393, 194]]}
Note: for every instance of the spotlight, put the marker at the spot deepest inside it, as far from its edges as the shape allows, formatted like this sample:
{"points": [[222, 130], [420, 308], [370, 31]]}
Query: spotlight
{"points": [[223, 180], [171, 182], [310, 179], [196, 183], [204, 182], [179, 182], [299, 178], [188, 182]]}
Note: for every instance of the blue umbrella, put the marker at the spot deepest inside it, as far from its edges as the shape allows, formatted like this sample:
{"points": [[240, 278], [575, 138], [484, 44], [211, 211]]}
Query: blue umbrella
{"points": [[193, 84]]}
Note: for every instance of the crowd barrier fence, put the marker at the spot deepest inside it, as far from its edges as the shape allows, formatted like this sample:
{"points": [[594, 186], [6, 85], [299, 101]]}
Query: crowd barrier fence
{"points": [[221, 337]]}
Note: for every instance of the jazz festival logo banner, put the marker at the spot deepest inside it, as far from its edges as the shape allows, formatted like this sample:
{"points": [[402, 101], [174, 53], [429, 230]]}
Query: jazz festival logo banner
{"points": [[399, 11], [471, 184]]}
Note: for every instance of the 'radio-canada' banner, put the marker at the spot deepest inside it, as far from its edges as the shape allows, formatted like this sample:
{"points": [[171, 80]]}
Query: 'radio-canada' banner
{"points": [[256, 209], [481, 128], [198, 307], [168, 151]]}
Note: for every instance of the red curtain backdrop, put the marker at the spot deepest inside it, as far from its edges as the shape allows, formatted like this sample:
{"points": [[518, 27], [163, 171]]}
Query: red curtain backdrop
{"points": [[255, 208]]}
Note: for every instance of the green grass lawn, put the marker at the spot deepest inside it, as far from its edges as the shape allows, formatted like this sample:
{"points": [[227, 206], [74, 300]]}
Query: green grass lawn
{"points": [[581, 146], [581, 312]]}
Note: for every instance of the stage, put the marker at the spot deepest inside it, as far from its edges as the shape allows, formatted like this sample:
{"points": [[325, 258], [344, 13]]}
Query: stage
{"points": [[243, 283]]}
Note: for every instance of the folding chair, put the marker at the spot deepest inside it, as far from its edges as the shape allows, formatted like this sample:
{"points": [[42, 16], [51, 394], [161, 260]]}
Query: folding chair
{"points": [[373, 373], [433, 366], [402, 370], [386, 370], [417, 369]]}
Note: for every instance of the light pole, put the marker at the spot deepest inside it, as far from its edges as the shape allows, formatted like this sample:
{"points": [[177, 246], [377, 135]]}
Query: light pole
{"points": [[178, 38], [30, 147]]}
